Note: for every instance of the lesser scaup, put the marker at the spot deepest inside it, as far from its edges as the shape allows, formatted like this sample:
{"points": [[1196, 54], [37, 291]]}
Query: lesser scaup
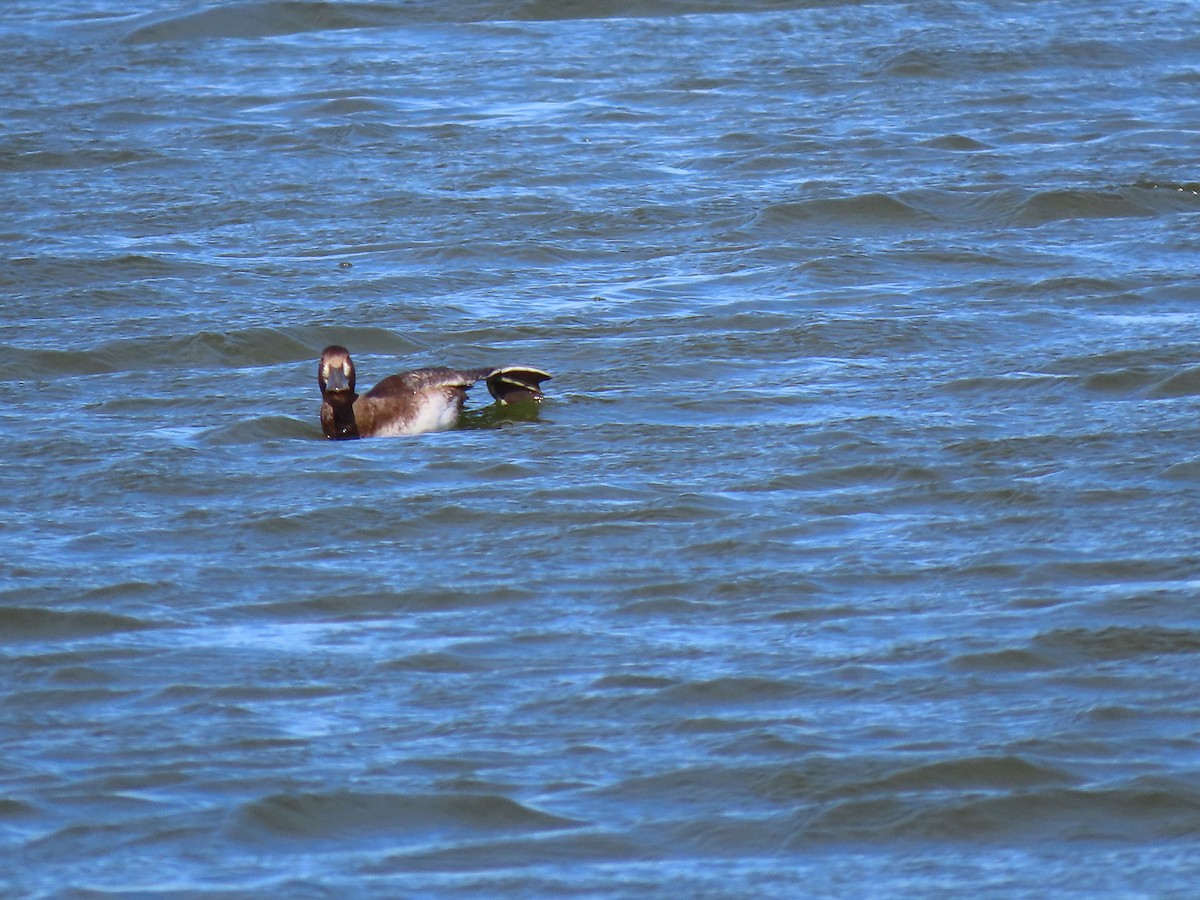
{"points": [[412, 402]]}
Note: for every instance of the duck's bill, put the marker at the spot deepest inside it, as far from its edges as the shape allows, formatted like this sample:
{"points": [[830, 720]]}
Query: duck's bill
{"points": [[336, 382]]}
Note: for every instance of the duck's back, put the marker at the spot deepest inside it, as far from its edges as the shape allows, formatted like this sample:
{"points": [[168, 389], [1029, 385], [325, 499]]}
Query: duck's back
{"points": [[414, 402]]}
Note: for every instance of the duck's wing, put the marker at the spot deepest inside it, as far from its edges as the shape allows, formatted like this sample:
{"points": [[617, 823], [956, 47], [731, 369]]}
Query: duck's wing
{"points": [[508, 384], [419, 380]]}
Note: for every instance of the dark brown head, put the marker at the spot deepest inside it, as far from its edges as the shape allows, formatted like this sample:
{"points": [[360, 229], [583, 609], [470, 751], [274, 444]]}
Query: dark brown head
{"points": [[335, 377], [335, 371]]}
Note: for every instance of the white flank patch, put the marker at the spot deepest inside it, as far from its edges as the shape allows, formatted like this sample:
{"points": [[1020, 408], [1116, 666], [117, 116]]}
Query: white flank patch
{"points": [[436, 413]]}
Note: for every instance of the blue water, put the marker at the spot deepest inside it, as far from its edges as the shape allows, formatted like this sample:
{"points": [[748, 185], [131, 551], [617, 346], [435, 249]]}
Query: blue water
{"points": [[852, 553]]}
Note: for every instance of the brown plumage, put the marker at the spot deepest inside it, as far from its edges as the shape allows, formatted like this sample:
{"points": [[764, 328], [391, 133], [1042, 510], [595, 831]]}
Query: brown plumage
{"points": [[412, 402]]}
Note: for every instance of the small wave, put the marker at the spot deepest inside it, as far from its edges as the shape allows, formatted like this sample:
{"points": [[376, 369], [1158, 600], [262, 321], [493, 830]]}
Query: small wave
{"points": [[99, 268], [1139, 200], [264, 18], [976, 773], [921, 209], [14, 809], [1147, 383], [1188, 470], [1156, 809], [1030, 383], [666, 607], [79, 158], [1065, 648], [633, 682], [1162, 372], [1009, 660], [261, 429], [31, 623], [438, 663], [687, 784], [551, 10], [864, 475], [253, 19], [862, 211], [1118, 643], [1120, 381], [522, 854], [959, 143], [730, 689], [915, 62], [1180, 384], [239, 348], [257, 346], [1045, 207], [337, 606], [1183, 188], [1162, 354], [352, 815]]}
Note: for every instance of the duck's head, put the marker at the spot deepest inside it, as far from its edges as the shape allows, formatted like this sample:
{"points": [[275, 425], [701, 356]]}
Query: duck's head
{"points": [[335, 374]]}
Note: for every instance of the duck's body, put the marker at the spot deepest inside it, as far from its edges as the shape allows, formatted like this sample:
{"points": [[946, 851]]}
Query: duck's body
{"points": [[415, 402]]}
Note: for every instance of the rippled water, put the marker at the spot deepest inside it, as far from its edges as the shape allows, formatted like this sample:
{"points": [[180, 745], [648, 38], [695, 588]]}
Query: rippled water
{"points": [[854, 551]]}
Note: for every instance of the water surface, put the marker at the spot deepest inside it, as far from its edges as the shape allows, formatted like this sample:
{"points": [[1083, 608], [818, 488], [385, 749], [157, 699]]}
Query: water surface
{"points": [[854, 551]]}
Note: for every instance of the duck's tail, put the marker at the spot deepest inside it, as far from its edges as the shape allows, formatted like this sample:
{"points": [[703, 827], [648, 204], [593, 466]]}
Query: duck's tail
{"points": [[516, 384]]}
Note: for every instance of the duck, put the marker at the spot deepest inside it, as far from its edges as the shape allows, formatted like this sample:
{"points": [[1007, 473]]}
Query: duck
{"points": [[414, 402]]}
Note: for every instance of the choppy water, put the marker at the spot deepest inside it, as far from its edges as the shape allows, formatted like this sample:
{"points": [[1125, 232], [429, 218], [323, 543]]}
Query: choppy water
{"points": [[854, 553]]}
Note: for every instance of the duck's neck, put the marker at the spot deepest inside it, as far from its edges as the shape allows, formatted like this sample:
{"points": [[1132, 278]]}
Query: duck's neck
{"points": [[337, 416]]}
